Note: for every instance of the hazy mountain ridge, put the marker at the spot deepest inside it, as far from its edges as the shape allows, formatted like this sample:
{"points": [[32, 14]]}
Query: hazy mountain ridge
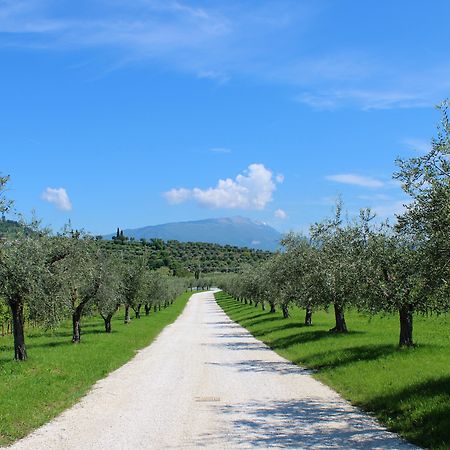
{"points": [[238, 231]]}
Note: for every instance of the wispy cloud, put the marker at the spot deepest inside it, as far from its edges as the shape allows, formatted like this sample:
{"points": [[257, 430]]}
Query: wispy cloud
{"points": [[389, 209], [280, 214], [219, 41], [364, 99], [57, 197], [356, 180], [419, 145], [252, 189], [220, 150]]}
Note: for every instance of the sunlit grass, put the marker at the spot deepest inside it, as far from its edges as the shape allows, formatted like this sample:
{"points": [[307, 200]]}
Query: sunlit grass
{"points": [[408, 390], [58, 372]]}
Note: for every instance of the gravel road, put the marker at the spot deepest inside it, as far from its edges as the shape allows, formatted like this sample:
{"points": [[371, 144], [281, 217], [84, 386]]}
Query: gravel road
{"points": [[207, 383]]}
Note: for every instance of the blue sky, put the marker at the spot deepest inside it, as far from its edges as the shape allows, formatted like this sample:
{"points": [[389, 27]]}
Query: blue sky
{"points": [[138, 112]]}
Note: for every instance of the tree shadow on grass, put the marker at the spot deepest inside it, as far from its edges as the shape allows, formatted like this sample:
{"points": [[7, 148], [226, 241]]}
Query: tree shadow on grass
{"points": [[245, 315], [51, 344], [260, 318], [286, 326], [84, 332], [302, 338], [343, 357], [420, 412]]}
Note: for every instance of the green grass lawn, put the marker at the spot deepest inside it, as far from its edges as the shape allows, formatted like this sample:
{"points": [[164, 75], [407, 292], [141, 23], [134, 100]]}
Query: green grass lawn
{"points": [[408, 390], [58, 373]]}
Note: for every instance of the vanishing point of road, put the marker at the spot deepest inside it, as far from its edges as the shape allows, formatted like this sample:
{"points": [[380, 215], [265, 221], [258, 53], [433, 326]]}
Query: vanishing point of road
{"points": [[207, 383]]}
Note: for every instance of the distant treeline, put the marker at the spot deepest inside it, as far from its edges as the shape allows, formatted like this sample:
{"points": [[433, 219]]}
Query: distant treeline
{"points": [[183, 258], [186, 258]]}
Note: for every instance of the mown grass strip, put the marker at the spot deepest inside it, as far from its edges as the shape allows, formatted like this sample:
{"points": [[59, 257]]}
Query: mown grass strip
{"points": [[58, 373], [407, 390]]}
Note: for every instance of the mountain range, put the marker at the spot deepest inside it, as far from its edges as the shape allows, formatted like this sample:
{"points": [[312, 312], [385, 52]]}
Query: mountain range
{"points": [[238, 231]]}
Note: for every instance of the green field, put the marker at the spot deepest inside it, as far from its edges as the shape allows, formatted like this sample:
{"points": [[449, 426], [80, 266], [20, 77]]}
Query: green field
{"points": [[408, 390], [58, 373]]}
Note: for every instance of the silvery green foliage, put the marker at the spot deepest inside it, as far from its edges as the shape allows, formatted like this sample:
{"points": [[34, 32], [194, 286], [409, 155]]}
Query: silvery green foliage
{"points": [[28, 275], [110, 293], [426, 221], [22, 266], [74, 263], [133, 279], [5, 315], [394, 277], [301, 259], [160, 287], [340, 247], [5, 203]]}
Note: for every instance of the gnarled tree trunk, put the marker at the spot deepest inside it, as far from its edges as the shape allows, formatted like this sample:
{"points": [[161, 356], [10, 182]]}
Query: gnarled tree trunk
{"points": [[308, 316], [341, 326], [147, 309], [107, 321], [285, 310], [263, 305], [76, 323], [20, 350], [406, 326], [137, 311], [272, 307], [127, 314]]}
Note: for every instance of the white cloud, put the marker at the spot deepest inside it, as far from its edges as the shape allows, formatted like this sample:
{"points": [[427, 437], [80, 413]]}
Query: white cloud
{"points": [[280, 214], [368, 99], [419, 145], [357, 180], [252, 189], [279, 178], [175, 196], [58, 197], [389, 210]]}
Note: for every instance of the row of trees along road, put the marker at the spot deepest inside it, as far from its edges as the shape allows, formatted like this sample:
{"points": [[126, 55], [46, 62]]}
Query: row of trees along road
{"points": [[364, 264], [47, 279]]}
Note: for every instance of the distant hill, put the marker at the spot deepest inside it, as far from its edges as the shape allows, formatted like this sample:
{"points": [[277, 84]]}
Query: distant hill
{"points": [[11, 228], [185, 258], [237, 231]]}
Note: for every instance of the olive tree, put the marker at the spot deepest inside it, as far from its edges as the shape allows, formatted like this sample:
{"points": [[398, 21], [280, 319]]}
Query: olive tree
{"points": [[392, 280], [133, 281], [426, 220], [154, 290], [278, 274], [77, 269], [340, 249], [110, 293], [303, 277], [22, 264]]}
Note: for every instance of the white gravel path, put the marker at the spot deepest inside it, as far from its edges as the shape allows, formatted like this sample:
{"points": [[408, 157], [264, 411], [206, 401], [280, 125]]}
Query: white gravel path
{"points": [[207, 383]]}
